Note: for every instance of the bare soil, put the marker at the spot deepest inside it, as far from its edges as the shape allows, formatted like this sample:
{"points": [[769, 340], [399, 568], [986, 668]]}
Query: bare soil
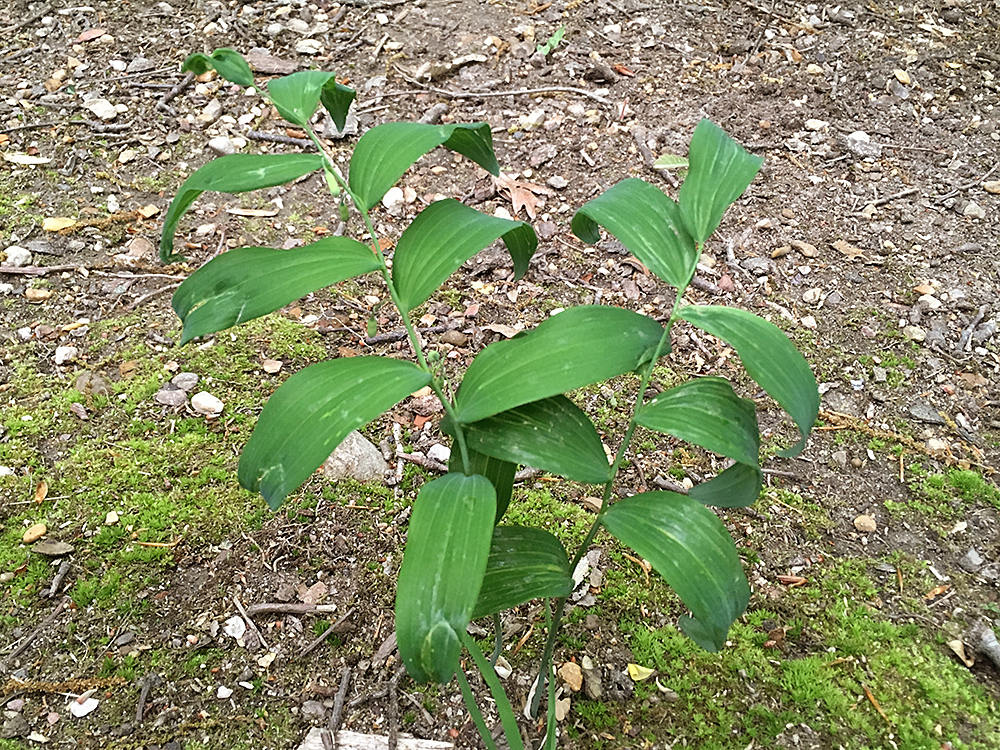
{"points": [[876, 252]]}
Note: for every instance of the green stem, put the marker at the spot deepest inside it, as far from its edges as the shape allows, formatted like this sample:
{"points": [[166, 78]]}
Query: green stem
{"points": [[477, 715], [606, 499], [436, 384], [492, 680]]}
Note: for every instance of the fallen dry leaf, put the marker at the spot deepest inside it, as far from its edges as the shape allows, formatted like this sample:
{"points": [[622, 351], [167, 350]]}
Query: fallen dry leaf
{"points": [[252, 211], [24, 159], [639, 673], [522, 194], [91, 34], [935, 592], [959, 648], [55, 223], [849, 250], [41, 491]]}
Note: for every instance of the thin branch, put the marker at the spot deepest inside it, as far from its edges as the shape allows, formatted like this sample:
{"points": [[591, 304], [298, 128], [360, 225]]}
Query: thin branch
{"points": [[315, 644], [162, 105], [250, 623], [63, 604]]}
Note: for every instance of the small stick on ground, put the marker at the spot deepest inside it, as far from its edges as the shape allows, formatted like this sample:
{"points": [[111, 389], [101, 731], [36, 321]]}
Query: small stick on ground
{"points": [[147, 685], [35, 270], [150, 295], [392, 710], [338, 701], [27, 21], [33, 126], [59, 578], [303, 143], [427, 463], [289, 608], [163, 104], [250, 623], [50, 618], [315, 644]]}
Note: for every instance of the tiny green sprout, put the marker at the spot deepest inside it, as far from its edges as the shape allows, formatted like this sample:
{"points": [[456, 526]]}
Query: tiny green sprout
{"points": [[552, 42]]}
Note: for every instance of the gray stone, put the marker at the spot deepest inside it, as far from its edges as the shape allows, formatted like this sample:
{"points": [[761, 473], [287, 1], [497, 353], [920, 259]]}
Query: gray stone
{"points": [[557, 182], [356, 458], [222, 146], [140, 65], [924, 412], [169, 395], [65, 354], [842, 403], [17, 256], [969, 247], [313, 711], [52, 548], [758, 266], [350, 126], [14, 725], [971, 561], [186, 381], [860, 144], [840, 459]]}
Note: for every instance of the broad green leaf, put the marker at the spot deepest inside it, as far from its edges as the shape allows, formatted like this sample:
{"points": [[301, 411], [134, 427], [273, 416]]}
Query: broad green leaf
{"points": [[228, 63], [525, 563], [296, 96], [552, 434], [687, 544], [736, 487], [236, 173], [720, 170], [577, 347], [447, 547], [248, 282], [768, 357], [312, 413], [336, 99], [706, 412], [445, 235], [647, 223], [386, 151], [499, 472]]}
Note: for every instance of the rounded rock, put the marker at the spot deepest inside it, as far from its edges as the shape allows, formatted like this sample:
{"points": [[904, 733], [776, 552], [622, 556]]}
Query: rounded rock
{"points": [[34, 533], [17, 257]]}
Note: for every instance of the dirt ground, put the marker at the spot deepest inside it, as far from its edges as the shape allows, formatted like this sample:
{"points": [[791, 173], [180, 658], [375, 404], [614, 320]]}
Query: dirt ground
{"points": [[871, 236]]}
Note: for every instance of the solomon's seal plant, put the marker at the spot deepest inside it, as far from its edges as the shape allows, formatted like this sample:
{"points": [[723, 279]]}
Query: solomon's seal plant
{"points": [[462, 561]]}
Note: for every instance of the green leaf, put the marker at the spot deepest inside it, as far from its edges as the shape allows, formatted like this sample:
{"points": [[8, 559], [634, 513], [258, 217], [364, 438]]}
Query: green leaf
{"points": [[768, 357], [671, 161], [525, 563], [687, 544], [577, 347], [296, 96], [336, 99], [312, 413], [236, 173], [736, 487], [228, 63], [445, 235], [552, 434], [647, 223], [248, 282], [721, 169], [553, 41], [500, 473], [386, 151], [706, 412], [447, 547]]}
